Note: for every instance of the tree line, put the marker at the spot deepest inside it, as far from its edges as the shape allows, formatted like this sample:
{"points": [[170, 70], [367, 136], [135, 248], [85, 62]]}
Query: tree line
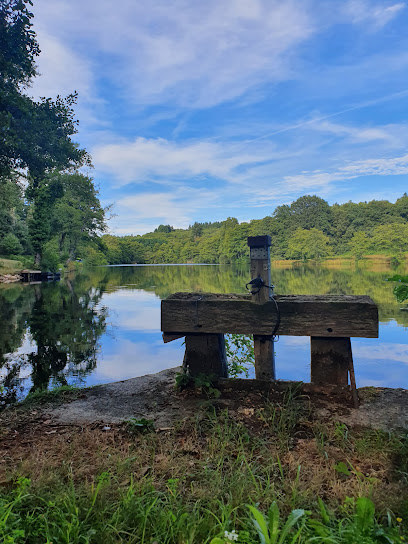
{"points": [[308, 228], [48, 207]]}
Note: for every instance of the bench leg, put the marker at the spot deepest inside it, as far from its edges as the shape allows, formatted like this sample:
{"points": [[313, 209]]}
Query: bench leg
{"points": [[330, 360], [264, 351], [205, 354]]}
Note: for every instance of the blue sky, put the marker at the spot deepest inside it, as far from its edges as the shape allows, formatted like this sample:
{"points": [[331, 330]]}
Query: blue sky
{"points": [[196, 111]]}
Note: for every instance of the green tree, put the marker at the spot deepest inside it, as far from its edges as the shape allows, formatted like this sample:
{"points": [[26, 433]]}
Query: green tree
{"points": [[77, 214], [12, 211], [391, 238], [401, 206], [359, 244], [112, 249], [308, 212], [164, 228], [10, 245], [35, 135], [39, 223], [309, 244]]}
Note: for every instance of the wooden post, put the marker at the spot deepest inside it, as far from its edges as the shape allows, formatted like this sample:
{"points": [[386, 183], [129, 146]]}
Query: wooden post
{"points": [[331, 359], [205, 354], [261, 267]]}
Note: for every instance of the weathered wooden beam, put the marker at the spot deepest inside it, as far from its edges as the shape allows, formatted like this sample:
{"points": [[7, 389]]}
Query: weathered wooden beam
{"points": [[170, 337], [301, 315], [205, 354], [261, 269], [330, 360]]}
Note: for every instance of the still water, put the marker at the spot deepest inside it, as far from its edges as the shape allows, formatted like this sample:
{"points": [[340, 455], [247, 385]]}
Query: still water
{"points": [[103, 324]]}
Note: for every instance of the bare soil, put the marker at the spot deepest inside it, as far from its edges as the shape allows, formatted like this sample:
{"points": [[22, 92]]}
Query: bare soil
{"points": [[154, 397]]}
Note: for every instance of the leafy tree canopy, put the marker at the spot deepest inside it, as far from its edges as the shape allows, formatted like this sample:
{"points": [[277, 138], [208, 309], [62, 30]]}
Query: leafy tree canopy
{"points": [[35, 135], [309, 244]]}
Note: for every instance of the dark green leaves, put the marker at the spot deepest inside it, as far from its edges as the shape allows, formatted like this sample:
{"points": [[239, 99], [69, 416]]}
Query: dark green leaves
{"points": [[401, 290]]}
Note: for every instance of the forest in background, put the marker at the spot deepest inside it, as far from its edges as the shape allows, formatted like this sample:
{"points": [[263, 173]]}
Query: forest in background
{"points": [[309, 228]]}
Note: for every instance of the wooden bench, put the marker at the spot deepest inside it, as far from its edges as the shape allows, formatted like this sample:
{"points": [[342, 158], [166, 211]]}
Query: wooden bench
{"points": [[330, 321]]}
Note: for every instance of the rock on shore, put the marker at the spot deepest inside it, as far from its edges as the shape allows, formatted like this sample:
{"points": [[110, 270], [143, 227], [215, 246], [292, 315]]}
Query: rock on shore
{"points": [[10, 278]]}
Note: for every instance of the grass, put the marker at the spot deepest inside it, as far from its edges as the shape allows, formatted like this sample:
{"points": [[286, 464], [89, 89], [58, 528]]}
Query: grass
{"points": [[9, 266], [15, 264], [216, 474], [41, 396]]}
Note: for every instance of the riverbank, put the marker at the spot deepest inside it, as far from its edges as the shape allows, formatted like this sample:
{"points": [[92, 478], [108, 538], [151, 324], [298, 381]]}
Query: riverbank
{"points": [[10, 278], [377, 262], [10, 270], [137, 461]]}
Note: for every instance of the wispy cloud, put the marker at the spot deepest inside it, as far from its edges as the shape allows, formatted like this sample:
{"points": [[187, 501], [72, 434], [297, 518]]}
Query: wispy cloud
{"points": [[143, 212], [61, 70], [378, 14], [370, 167], [188, 53], [208, 109], [150, 159]]}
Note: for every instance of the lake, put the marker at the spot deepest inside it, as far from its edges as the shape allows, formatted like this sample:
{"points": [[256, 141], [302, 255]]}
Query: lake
{"points": [[102, 324]]}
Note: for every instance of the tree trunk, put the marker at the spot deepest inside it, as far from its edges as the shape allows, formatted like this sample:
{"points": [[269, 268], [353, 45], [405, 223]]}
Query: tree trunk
{"points": [[37, 259], [62, 240]]}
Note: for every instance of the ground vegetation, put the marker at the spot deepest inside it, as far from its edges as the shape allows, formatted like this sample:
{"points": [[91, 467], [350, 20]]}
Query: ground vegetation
{"points": [[264, 470]]}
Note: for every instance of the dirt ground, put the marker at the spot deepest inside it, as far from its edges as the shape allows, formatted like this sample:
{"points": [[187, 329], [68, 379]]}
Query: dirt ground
{"points": [[86, 429], [155, 398]]}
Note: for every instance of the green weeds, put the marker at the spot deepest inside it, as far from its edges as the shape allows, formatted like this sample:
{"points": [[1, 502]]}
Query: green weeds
{"points": [[240, 354], [140, 513], [41, 396], [135, 426], [204, 383], [256, 478]]}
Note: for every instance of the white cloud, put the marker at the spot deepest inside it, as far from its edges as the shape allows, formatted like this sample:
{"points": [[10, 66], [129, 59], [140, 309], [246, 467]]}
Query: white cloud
{"points": [[383, 351], [362, 11], [143, 212], [356, 134], [145, 159], [61, 70], [189, 53], [379, 167], [134, 359], [368, 167], [135, 309], [247, 173]]}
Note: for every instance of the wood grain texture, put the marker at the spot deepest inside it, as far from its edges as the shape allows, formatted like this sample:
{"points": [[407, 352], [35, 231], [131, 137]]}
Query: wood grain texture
{"points": [[205, 354], [330, 360], [170, 337], [263, 345], [301, 315]]}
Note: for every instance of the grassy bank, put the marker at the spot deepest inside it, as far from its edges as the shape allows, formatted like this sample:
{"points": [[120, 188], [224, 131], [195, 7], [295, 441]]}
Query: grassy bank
{"points": [[198, 480], [9, 266], [14, 264], [377, 262]]}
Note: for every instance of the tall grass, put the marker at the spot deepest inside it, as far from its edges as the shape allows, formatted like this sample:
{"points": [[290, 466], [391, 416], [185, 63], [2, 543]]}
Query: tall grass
{"points": [[268, 478]]}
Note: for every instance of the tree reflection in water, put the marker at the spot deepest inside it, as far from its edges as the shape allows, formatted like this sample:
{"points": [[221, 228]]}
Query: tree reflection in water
{"points": [[62, 323], [51, 333]]}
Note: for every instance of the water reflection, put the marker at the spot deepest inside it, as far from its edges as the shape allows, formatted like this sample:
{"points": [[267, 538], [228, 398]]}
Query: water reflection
{"points": [[58, 327], [103, 324]]}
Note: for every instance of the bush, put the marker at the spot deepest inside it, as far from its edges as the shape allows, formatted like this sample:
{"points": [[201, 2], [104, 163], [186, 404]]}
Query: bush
{"points": [[93, 257], [10, 245], [50, 259]]}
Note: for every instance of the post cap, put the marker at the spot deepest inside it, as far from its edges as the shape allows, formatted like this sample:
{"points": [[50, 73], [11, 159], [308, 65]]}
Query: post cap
{"points": [[259, 241]]}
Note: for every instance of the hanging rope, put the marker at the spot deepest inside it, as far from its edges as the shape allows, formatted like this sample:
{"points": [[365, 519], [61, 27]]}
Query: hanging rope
{"points": [[257, 284]]}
